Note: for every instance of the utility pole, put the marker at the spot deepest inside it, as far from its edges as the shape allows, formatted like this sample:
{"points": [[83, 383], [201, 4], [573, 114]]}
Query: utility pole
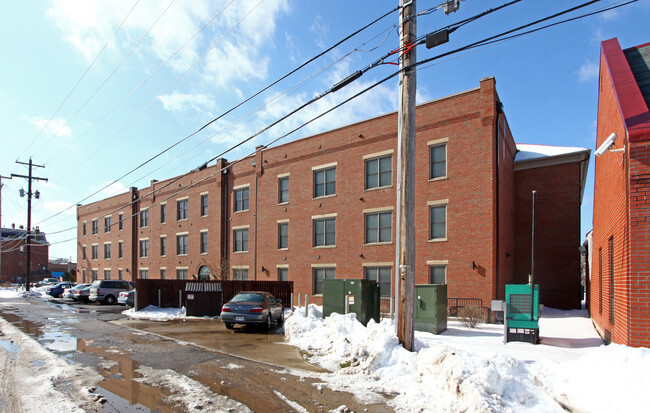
{"points": [[405, 239], [1, 184], [29, 178]]}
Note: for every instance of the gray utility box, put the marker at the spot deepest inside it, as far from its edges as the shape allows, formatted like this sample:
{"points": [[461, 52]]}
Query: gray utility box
{"points": [[363, 298], [430, 308], [203, 299]]}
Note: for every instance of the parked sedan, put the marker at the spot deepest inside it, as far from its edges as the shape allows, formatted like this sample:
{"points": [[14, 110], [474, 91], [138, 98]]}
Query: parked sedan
{"points": [[252, 307], [57, 290], [82, 295], [69, 292], [126, 298]]}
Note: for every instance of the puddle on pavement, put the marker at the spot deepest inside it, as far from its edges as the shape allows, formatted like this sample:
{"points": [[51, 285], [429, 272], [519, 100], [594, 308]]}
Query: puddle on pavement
{"points": [[10, 347]]}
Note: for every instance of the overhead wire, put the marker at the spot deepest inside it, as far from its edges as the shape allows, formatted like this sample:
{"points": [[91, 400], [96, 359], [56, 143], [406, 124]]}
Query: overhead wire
{"points": [[227, 112], [491, 39], [80, 79]]}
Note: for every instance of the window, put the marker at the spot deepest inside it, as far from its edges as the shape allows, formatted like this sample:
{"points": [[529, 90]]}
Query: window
{"points": [[83, 229], [319, 274], [107, 224], [438, 222], [379, 227], [119, 274], [379, 172], [204, 205], [204, 273], [107, 274], [240, 237], [283, 235], [324, 232], [241, 199], [181, 209], [144, 218], [437, 274], [94, 275], [240, 274], [83, 252], [611, 280], [120, 249], [204, 242], [144, 248], [94, 252], [283, 189], [163, 273], [83, 275], [283, 274], [120, 222], [163, 246], [325, 182], [181, 273], [181, 244], [600, 280], [163, 213], [95, 229], [144, 274], [438, 161], [383, 276], [107, 251]]}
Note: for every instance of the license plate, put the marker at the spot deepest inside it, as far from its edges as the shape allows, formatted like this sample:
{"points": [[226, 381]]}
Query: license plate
{"points": [[239, 318]]}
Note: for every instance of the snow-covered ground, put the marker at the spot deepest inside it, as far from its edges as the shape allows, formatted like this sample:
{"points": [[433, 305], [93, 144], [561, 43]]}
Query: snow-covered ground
{"points": [[466, 369]]}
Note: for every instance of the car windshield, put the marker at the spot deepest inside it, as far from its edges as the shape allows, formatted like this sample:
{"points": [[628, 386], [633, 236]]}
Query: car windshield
{"points": [[248, 297]]}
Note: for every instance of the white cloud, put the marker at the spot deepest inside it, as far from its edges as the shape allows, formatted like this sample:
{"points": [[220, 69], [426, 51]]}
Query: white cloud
{"points": [[184, 102], [588, 71], [112, 190], [320, 28], [58, 206], [56, 127]]}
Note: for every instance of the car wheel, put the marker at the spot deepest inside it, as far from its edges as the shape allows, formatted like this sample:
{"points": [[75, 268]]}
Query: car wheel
{"points": [[59, 295], [110, 300], [229, 326]]}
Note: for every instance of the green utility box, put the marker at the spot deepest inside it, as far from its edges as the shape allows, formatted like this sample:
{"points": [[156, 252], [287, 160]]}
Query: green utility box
{"points": [[522, 313], [362, 295], [430, 308]]}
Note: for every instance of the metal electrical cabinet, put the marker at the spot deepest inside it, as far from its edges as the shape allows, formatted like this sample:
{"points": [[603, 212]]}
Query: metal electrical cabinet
{"points": [[362, 295], [430, 308], [522, 313]]}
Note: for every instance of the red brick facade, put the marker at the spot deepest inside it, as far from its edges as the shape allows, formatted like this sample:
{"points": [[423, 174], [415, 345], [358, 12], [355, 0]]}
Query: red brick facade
{"points": [[14, 256], [473, 192], [620, 266]]}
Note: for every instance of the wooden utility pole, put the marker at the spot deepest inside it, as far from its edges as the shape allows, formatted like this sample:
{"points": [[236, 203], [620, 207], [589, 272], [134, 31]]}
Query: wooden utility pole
{"points": [[1, 184], [405, 238], [29, 178]]}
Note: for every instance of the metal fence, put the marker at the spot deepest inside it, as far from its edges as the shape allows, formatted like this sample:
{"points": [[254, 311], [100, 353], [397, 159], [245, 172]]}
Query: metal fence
{"points": [[171, 293]]}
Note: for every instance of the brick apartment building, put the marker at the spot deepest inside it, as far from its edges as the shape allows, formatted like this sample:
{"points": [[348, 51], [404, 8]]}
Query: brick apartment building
{"points": [[13, 255], [619, 300], [324, 207]]}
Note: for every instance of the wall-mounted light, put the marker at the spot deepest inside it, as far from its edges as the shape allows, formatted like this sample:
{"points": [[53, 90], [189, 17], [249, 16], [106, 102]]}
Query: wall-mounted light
{"points": [[473, 265], [263, 269]]}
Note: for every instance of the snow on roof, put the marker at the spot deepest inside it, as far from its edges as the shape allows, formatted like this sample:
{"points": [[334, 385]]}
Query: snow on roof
{"points": [[526, 151]]}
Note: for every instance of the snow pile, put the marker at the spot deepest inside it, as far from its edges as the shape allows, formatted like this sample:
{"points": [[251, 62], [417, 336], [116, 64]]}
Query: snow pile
{"points": [[154, 313], [438, 377]]}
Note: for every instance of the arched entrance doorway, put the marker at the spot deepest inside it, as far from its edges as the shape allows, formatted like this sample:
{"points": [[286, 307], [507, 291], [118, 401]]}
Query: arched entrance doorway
{"points": [[204, 273]]}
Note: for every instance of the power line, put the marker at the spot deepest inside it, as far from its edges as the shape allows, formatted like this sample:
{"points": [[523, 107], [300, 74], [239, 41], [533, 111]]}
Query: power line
{"points": [[80, 79], [225, 113]]}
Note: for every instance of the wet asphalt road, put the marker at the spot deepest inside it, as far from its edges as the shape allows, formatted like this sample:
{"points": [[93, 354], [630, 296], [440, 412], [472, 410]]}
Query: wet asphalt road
{"points": [[99, 336]]}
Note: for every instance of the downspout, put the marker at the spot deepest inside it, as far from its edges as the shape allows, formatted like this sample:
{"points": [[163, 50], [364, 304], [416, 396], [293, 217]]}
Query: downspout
{"points": [[498, 208], [226, 227], [255, 246]]}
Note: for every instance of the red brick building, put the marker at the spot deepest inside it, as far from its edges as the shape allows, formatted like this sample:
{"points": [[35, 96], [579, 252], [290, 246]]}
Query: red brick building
{"points": [[14, 255], [324, 206], [620, 267]]}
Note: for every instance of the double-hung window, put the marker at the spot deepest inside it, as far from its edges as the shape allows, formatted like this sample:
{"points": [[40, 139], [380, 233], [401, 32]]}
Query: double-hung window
{"points": [[379, 172], [144, 218], [382, 275], [283, 235], [144, 248], [283, 189], [163, 246], [204, 242], [438, 221], [320, 274], [325, 181], [241, 199], [324, 232], [182, 206], [95, 227], [240, 239], [437, 274], [437, 159], [163, 213], [378, 227], [107, 251], [107, 224], [204, 205], [181, 244]]}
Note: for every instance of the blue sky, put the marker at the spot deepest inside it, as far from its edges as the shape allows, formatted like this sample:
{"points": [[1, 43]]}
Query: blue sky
{"points": [[154, 83]]}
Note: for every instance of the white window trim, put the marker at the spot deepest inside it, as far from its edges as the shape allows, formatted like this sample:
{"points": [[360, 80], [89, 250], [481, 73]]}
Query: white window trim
{"points": [[378, 154], [182, 233], [242, 186], [328, 265], [204, 193], [182, 199], [241, 227], [437, 262], [332, 215], [377, 264], [324, 166], [284, 175], [380, 209], [439, 202], [283, 221], [240, 267], [282, 266], [438, 142]]}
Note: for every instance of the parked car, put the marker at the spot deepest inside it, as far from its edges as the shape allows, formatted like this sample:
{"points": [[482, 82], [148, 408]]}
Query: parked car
{"points": [[126, 298], [56, 291], [252, 307], [82, 294], [51, 281], [106, 291], [69, 292]]}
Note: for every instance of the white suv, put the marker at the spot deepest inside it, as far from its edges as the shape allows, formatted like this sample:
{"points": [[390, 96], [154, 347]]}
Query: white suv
{"points": [[106, 291]]}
